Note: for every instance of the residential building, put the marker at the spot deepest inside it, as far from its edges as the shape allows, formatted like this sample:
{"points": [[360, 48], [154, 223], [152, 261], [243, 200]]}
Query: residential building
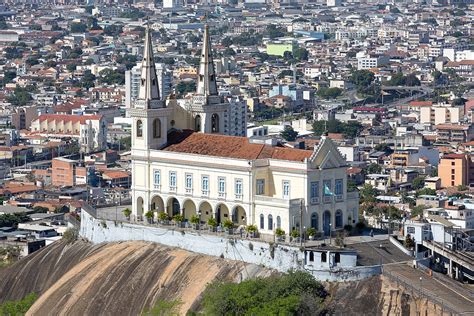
{"points": [[453, 170]]}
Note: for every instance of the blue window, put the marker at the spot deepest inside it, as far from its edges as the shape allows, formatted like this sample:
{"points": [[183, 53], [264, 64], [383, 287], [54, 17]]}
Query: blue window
{"points": [[339, 186], [173, 179], [156, 177], [314, 189]]}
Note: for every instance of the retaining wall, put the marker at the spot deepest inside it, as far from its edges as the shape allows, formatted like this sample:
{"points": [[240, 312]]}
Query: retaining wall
{"points": [[279, 257]]}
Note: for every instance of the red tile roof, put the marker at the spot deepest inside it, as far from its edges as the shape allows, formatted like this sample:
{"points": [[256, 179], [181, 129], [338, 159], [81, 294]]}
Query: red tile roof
{"points": [[66, 117], [421, 103], [230, 147]]}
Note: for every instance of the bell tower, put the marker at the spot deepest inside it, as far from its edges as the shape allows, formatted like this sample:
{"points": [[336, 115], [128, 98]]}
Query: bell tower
{"points": [[207, 106], [149, 113]]}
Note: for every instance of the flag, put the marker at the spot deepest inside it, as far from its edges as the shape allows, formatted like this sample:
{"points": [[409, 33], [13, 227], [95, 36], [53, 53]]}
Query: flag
{"points": [[327, 191]]}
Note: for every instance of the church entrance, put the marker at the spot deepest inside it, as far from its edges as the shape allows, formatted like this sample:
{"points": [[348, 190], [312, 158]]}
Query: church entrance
{"points": [[327, 223]]}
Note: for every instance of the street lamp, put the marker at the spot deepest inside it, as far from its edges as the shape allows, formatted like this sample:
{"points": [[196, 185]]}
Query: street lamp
{"points": [[421, 286], [199, 214], [330, 236]]}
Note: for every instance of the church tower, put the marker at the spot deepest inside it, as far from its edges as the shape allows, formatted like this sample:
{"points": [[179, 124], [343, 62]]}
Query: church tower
{"points": [[149, 113], [207, 106]]}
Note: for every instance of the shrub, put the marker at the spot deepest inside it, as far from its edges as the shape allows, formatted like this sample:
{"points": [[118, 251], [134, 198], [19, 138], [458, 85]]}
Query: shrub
{"points": [[162, 216], [360, 225], [194, 219], [71, 235], [19, 307], [149, 215], [280, 232], [348, 227], [228, 224], [295, 293], [295, 233], [252, 228], [212, 222], [311, 231], [178, 218], [126, 212]]}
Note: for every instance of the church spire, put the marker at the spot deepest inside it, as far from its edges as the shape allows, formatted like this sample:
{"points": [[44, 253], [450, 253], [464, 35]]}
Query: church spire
{"points": [[207, 85], [149, 88]]}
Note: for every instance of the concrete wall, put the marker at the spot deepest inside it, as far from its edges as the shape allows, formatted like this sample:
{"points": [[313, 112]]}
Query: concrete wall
{"points": [[278, 257], [397, 244]]}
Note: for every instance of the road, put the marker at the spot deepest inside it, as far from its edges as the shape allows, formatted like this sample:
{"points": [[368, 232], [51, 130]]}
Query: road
{"points": [[451, 295]]}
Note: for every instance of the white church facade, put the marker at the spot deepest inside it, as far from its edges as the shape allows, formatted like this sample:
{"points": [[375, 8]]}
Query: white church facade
{"points": [[185, 161]]}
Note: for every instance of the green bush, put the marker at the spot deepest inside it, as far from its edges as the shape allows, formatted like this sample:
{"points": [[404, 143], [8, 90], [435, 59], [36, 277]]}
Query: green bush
{"points": [[194, 219], [252, 228], [295, 233], [19, 307], [127, 212], [295, 293], [311, 231], [228, 224], [178, 218], [212, 222], [71, 235], [280, 232], [162, 216], [149, 214]]}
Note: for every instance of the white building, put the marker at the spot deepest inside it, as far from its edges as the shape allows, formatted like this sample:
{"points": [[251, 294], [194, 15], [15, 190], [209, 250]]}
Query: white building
{"points": [[200, 171], [132, 83], [90, 130], [367, 62]]}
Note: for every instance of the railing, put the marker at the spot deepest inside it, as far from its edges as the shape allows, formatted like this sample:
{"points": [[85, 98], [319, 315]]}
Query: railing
{"points": [[314, 200], [445, 305]]}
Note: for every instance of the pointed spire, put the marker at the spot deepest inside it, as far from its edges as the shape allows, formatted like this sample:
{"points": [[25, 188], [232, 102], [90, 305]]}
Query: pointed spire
{"points": [[207, 77], [149, 88]]}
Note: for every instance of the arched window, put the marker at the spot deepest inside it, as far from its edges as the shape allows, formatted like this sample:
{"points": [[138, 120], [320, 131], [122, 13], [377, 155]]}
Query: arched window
{"points": [[338, 219], [315, 221], [215, 123], [156, 128], [262, 221], [197, 123], [139, 128], [270, 222], [278, 222]]}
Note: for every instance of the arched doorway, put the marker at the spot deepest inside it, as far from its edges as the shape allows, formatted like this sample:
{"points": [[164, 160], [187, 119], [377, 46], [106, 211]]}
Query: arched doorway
{"points": [[157, 204], [327, 223], [172, 207], [139, 207], [339, 221], [222, 213], [189, 209], [206, 211], [315, 221], [239, 216], [197, 123]]}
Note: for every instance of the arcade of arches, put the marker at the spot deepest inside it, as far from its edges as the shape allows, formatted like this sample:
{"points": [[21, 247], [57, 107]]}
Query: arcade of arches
{"points": [[221, 212]]}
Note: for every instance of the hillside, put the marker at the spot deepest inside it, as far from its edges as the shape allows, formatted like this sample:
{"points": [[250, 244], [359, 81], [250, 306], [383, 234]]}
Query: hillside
{"points": [[130, 277], [114, 279]]}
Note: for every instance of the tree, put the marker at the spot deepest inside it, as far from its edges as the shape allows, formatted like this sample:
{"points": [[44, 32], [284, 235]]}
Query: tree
{"points": [[289, 134], [41, 209], [409, 242], [3, 23], [368, 194], [21, 96], [411, 80], [78, 27], [383, 147], [128, 60], [88, 80], [227, 41], [418, 183], [133, 14], [8, 77], [425, 191], [113, 30], [109, 76], [295, 293], [301, 54], [329, 93], [362, 78], [71, 67], [13, 52], [229, 52], [184, 87], [418, 210], [373, 168], [273, 31]]}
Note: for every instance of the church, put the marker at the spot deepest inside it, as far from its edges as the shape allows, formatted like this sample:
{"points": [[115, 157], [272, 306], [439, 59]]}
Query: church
{"points": [[187, 160]]}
